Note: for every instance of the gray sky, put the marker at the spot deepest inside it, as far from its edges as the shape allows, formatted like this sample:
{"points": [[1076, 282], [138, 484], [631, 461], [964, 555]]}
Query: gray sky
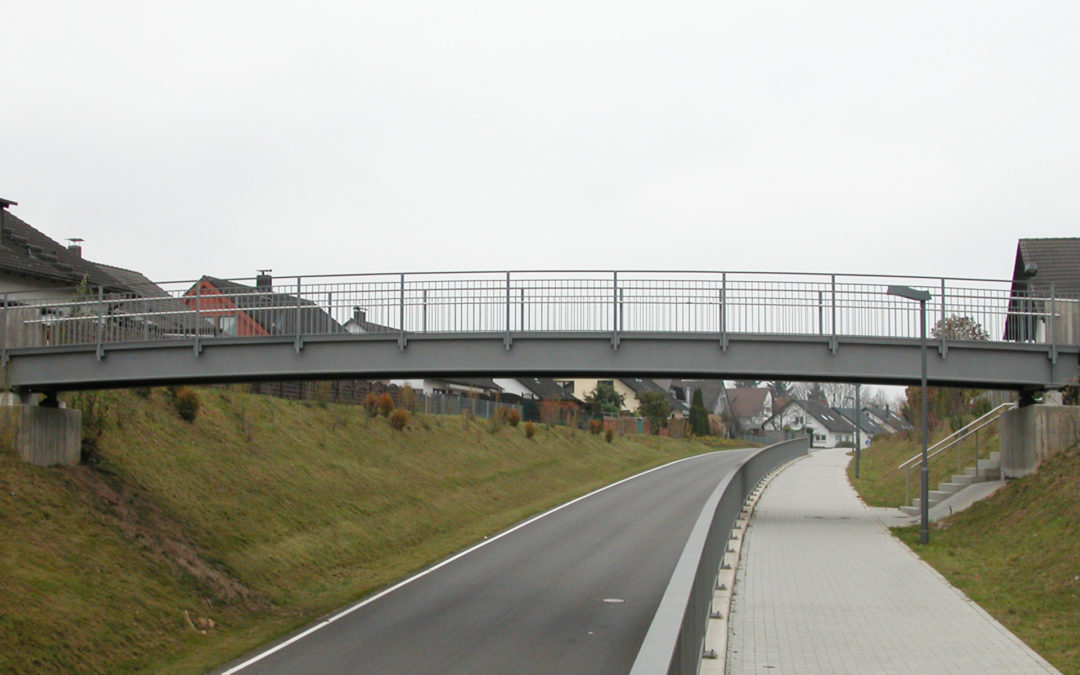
{"points": [[220, 137]]}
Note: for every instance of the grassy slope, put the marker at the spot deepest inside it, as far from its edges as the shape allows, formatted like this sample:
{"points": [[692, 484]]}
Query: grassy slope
{"points": [[261, 515], [1016, 553], [880, 483]]}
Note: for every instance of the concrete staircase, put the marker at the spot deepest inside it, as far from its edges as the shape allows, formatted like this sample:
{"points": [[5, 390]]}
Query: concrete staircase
{"points": [[986, 470]]}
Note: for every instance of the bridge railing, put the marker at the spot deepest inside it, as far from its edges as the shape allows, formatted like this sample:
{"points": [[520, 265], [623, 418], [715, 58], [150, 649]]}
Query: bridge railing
{"points": [[714, 303]]}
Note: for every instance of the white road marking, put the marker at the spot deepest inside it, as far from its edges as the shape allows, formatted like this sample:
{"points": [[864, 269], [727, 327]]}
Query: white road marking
{"points": [[345, 612]]}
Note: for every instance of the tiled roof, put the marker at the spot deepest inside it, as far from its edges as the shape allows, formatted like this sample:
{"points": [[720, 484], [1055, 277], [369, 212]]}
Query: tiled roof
{"points": [[1058, 260], [867, 422], [747, 403], [546, 388], [25, 250], [276, 312], [640, 384]]}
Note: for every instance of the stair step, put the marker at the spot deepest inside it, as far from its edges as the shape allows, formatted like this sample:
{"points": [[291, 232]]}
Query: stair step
{"points": [[966, 479], [911, 510], [938, 496], [951, 488]]}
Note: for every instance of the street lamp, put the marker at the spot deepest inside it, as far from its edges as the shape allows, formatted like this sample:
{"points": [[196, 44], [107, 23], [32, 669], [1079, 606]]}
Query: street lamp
{"points": [[924, 483]]}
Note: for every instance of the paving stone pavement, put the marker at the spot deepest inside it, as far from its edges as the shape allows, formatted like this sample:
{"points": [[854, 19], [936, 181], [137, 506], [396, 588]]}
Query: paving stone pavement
{"points": [[823, 587]]}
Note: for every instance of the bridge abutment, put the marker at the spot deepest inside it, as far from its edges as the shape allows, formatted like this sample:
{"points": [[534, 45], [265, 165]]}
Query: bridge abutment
{"points": [[45, 436], [1032, 434]]}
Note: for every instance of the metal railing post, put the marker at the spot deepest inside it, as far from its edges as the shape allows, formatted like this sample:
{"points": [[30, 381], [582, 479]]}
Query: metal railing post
{"points": [[4, 334], [943, 348], [723, 312], [198, 318], [299, 340], [614, 310], [401, 313], [100, 319], [146, 319], [507, 340], [423, 320], [832, 340], [1053, 324]]}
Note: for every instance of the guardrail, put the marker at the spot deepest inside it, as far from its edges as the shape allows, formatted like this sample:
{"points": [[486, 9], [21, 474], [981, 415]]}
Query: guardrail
{"points": [[614, 302], [675, 641]]}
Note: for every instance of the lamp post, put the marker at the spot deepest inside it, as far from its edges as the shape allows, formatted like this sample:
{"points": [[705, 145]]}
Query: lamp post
{"points": [[922, 297]]}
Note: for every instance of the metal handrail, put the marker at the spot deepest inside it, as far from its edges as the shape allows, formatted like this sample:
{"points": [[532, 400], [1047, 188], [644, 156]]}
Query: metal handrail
{"points": [[959, 435], [972, 428], [619, 303]]}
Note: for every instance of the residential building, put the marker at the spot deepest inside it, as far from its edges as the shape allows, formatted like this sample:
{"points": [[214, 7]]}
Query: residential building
{"points": [[1044, 269], [236, 309], [828, 428], [750, 407]]}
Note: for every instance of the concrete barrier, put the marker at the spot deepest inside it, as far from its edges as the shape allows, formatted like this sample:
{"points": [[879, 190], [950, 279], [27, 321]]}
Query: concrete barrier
{"points": [[1032, 434], [48, 436]]}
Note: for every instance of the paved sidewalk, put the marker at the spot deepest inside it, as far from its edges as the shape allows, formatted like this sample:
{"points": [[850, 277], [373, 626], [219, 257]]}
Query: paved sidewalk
{"points": [[822, 587]]}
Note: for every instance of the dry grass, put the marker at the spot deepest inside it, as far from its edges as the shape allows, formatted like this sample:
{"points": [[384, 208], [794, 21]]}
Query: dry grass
{"points": [[298, 508]]}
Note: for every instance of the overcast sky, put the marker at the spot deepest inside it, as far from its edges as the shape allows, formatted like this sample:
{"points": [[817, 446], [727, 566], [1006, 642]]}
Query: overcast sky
{"points": [[182, 139]]}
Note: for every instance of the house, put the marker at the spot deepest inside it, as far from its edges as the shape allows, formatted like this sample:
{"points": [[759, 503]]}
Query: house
{"points": [[236, 309], [750, 407], [713, 393], [359, 323], [536, 389], [1044, 269], [828, 428], [582, 387], [479, 387], [638, 385], [888, 420], [34, 267], [868, 427]]}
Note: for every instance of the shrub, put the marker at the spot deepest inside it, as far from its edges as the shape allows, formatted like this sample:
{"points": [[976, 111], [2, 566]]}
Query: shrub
{"points": [[186, 402], [530, 430], [494, 422], [398, 419], [408, 398], [595, 427], [386, 404], [371, 404], [142, 392], [609, 434], [513, 417]]}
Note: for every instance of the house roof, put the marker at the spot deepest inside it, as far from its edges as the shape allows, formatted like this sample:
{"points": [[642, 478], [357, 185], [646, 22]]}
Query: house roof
{"points": [[829, 418], [866, 422], [276, 312], [1057, 264], [476, 382], [747, 403], [24, 250], [546, 388], [890, 418], [712, 391], [640, 384], [1058, 261]]}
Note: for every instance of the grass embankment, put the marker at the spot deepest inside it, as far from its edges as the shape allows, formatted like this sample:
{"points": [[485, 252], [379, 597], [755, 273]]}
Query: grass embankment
{"points": [[880, 483], [188, 544], [1015, 553]]}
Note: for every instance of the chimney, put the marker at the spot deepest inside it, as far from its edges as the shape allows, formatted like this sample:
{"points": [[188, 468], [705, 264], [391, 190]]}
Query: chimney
{"points": [[359, 315], [4, 204], [75, 246], [264, 282]]}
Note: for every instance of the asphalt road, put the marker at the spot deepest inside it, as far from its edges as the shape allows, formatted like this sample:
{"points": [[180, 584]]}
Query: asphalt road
{"points": [[573, 591]]}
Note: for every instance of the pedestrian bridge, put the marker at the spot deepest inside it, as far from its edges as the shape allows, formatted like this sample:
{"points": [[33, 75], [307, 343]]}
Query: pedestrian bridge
{"points": [[735, 325]]}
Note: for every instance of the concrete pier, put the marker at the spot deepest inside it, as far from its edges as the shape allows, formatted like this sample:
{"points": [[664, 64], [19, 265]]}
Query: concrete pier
{"points": [[47, 436], [1032, 434]]}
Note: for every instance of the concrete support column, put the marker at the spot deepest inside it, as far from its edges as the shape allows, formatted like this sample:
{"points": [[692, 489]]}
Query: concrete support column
{"points": [[48, 436], [1034, 433]]}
